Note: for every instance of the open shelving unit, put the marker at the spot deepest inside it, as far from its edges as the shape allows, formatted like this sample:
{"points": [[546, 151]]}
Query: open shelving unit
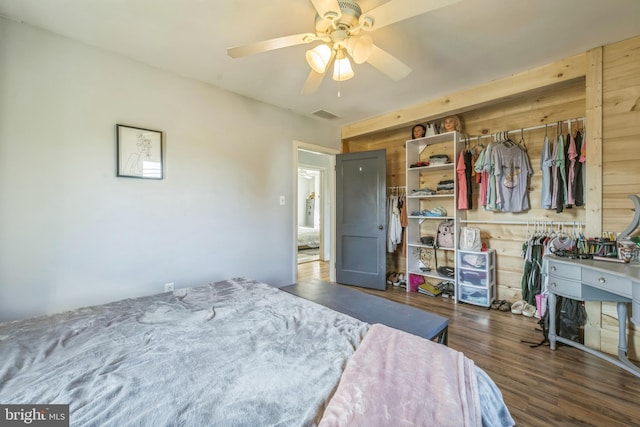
{"points": [[419, 255]]}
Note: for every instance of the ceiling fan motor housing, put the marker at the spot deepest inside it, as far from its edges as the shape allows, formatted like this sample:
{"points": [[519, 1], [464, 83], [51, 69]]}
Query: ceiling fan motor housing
{"points": [[349, 20]]}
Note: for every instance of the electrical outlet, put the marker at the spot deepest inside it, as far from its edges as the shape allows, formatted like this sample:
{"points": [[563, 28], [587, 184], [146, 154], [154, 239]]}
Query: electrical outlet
{"points": [[168, 287]]}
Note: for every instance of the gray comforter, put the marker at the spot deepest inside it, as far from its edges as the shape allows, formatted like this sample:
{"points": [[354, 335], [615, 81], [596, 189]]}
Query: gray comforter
{"points": [[234, 353]]}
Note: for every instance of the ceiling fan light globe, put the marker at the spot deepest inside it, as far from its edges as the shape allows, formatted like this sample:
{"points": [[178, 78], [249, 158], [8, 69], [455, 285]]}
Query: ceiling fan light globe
{"points": [[360, 47], [342, 70], [318, 58]]}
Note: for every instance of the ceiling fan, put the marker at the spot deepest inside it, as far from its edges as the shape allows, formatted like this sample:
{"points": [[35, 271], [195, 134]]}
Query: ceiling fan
{"points": [[342, 29]]}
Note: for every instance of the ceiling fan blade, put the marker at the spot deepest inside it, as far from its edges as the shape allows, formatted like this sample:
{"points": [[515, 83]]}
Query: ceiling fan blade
{"points": [[327, 9], [388, 64], [313, 82], [398, 10], [272, 44]]}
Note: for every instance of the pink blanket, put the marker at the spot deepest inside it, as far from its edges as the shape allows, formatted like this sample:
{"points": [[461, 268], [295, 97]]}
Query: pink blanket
{"points": [[395, 378]]}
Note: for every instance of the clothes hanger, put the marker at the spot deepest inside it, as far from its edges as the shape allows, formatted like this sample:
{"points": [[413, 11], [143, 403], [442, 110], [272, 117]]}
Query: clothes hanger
{"points": [[524, 145], [577, 126], [559, 128], [507, 140]]}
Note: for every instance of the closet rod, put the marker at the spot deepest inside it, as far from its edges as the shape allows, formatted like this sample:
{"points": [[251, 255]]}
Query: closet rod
{"points": [[582, 119], [533, 222], [397, 189]]}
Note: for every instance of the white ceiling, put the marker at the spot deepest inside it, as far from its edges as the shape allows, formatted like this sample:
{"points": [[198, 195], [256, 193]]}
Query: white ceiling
{"points": [[462, 45]]}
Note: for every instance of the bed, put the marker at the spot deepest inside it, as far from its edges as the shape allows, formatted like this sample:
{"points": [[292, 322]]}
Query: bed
{"points": [[238, 353], [308, 238]]}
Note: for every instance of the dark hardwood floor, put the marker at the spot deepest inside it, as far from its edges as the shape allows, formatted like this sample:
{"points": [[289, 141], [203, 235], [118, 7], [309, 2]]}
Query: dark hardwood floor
{"points": [[541, 387]]}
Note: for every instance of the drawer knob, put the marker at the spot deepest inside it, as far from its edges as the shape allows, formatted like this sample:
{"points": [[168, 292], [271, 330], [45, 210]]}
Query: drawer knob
{"points": [[601, 280], [553, 285], [553, 268]]}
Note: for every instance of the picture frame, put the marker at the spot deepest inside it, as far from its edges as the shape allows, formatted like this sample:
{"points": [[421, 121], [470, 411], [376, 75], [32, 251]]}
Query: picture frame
{"points": [[139, 152]]}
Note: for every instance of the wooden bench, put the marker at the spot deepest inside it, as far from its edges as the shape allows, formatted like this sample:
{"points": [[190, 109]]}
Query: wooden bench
{"points": [[373, 309]]}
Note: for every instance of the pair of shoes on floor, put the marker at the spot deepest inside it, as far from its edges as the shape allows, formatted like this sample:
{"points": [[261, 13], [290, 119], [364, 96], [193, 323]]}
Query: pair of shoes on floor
{"points": [[396, 279], [402, 282], [392, 278], [500, 304], [524, 308]]}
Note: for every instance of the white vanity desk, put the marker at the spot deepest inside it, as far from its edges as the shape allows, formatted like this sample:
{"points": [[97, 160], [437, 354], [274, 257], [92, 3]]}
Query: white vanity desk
{"points": [[589, 280]]}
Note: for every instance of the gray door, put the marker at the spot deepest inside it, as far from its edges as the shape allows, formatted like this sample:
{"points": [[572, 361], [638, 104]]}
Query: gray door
{"points": [[361, 219]]}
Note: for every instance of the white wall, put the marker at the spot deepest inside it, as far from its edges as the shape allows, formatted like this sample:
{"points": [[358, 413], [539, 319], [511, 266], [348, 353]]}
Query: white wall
{"points": [[72, 234]]}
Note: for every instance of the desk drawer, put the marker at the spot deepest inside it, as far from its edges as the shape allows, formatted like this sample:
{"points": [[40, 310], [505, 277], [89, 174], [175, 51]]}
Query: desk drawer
{"points": [[564, 270], [607, 282], [567, 288], [635, 306]]}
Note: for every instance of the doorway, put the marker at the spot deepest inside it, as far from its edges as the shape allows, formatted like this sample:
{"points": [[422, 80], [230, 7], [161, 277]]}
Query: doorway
{"points": [[310, 214], [314, 212]]}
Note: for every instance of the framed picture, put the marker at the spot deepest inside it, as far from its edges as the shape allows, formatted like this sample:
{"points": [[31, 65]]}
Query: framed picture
{"points": [[139, 152]]}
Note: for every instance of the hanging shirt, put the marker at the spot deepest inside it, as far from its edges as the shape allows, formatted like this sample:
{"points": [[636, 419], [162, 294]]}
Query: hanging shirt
{"points": [[512, 171], [404, 221], [479, 168], [583, 162], [497, 196], [394, 230], [468, 174], [578, 193], [489, 168], [554, 171], [572, 155], [546, 162], [561, 176], [462, 183]]}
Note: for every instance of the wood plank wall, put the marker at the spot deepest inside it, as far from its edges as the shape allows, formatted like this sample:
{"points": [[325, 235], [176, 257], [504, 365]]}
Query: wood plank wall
{"points": [[557, 103], [620, 160], [562, 99]]}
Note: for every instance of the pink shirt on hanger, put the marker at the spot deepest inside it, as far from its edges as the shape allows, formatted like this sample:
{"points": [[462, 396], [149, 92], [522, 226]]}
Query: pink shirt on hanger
{"points": [[462, 183]]}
